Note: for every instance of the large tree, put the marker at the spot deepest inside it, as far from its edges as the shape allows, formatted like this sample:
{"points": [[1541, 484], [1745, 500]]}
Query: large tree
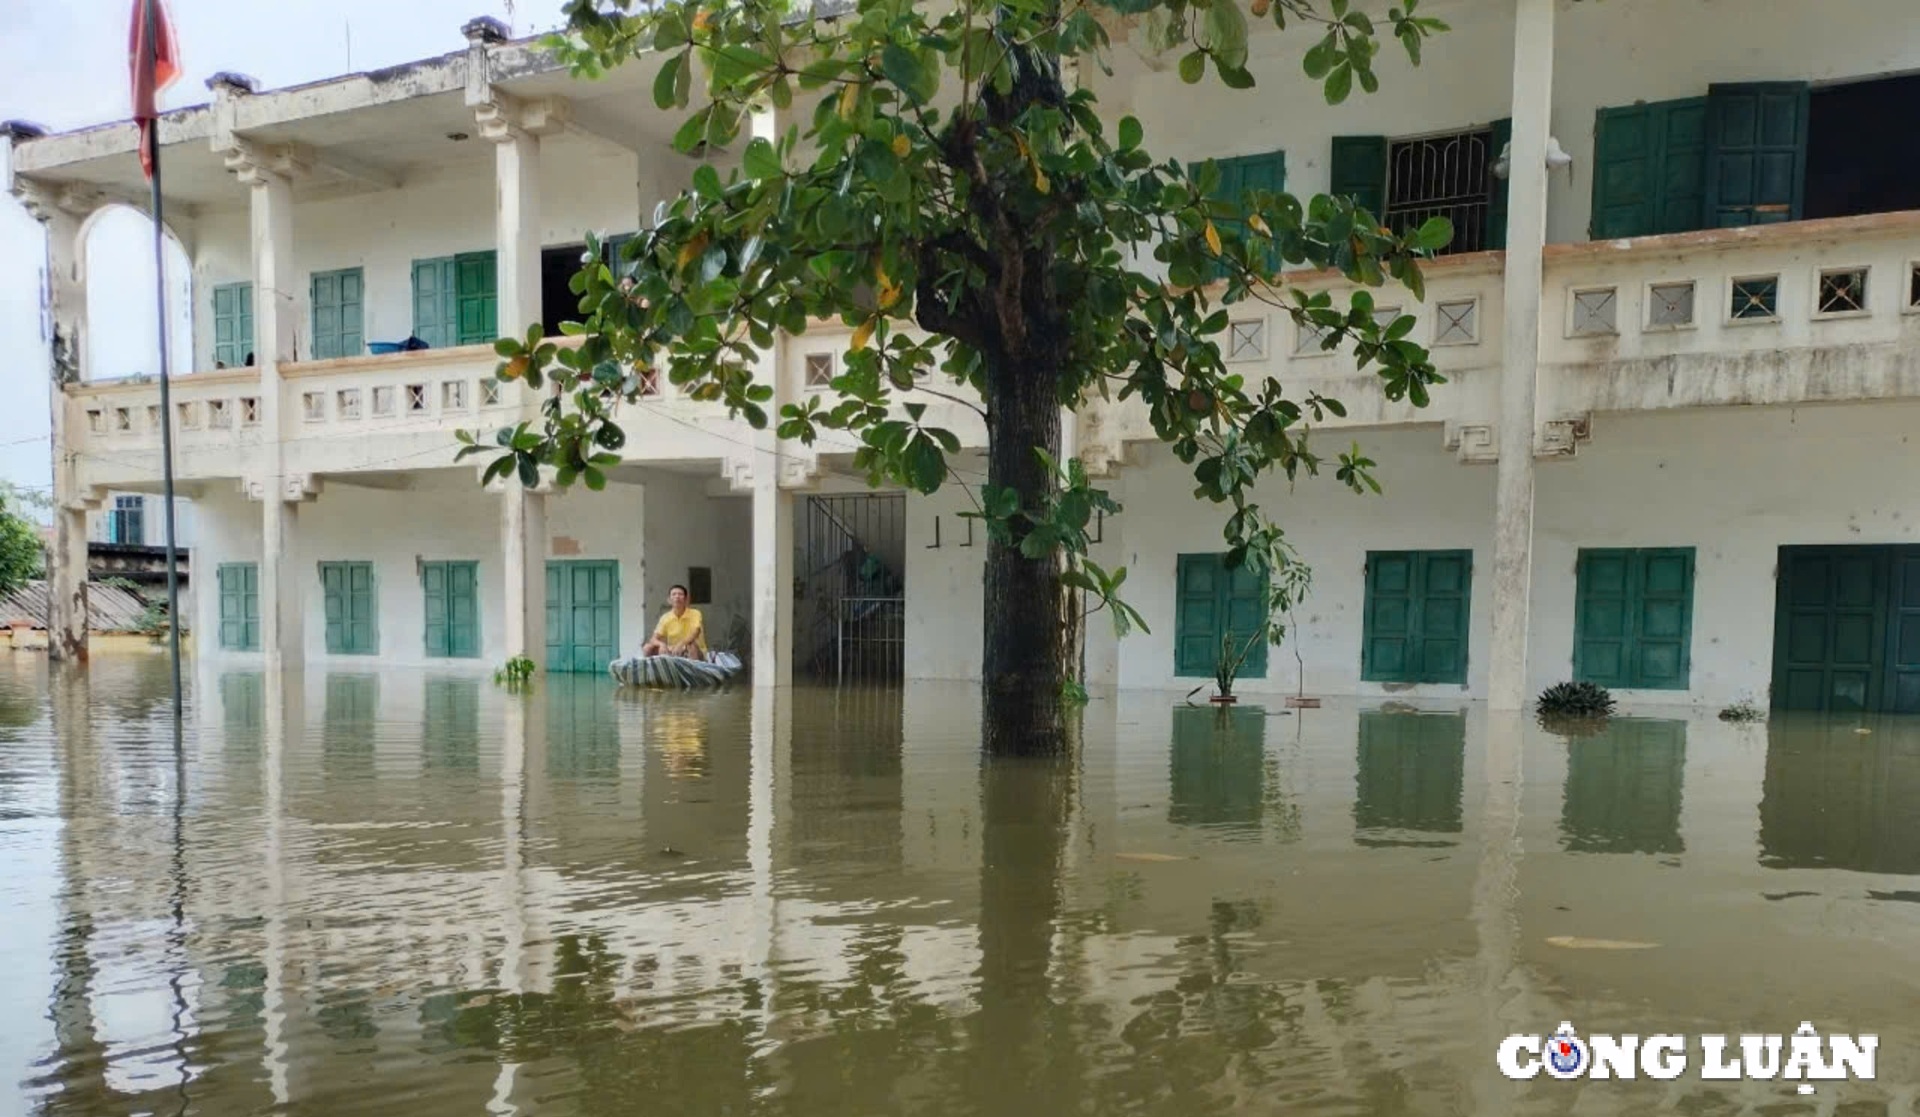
{"points": [[952, 193]]}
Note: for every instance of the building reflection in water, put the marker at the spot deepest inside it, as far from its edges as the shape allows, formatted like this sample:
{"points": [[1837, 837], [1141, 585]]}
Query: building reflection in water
{"points": [[1218, 769], [1623, 788], [1412, 774], [1836, 797], [568, 901]]}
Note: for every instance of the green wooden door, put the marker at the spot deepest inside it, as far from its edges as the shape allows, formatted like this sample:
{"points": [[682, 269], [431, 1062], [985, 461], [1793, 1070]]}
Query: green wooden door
{"points": [[1756, 153], [1902, 687], [1650, 168], [452, 597], [477, 305], [1847, 629], [1633, 617], [339, 314], [1211, 604], [1415, 620], [1412, 771], [239, 585], [435, 302], [232, 324], [351, 608], [583, 615]]}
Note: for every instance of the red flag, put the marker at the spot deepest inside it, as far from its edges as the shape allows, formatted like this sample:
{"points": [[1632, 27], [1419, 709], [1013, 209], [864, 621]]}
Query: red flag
{"points": [[155, 66]]}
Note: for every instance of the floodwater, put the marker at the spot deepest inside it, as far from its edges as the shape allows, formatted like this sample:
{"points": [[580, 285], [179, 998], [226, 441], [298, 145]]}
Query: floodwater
{"points": [[403, 893]]}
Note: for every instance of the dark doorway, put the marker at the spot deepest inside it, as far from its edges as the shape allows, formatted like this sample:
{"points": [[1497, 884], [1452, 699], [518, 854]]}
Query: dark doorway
{"points": [[1855, 164], [849, 597], [558, 303]]}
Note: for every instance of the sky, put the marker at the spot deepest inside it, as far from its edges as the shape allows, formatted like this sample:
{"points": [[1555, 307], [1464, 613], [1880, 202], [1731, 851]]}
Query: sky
{"points": [[63, 64]]}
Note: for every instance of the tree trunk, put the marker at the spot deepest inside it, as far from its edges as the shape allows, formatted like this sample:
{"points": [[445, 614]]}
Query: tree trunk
{"points": [[1024, 663]]}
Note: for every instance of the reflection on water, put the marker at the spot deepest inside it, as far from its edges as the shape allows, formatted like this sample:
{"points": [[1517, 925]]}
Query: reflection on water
{"points": [[1623, 788], [417, 894]]}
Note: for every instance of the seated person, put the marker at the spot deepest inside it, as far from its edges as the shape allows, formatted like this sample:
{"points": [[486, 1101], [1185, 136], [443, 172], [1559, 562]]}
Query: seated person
{"points": [[680, 631]]}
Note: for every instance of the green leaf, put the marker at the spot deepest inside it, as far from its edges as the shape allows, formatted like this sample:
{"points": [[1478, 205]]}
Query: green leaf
{"points": [[761, 160], [666, 82], [706, 181], [904, 69], [1225, 27], [1339, 83], [595, 479], [1193, 67], [1235, 78], [1130, 133], [1320, 58]]}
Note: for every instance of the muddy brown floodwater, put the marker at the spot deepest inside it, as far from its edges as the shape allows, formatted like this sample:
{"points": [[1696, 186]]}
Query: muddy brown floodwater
{"points": [[405, 893]]}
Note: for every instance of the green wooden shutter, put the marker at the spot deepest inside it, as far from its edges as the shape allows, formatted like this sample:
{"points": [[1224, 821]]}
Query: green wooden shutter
{"points": [[1633, 617], [451, 608], [1198, 621], [1446, 585], [232, 324], [1650, 164], [1603, 618], [348, 592], [1245, 607], [1502, 135], [435, 302], [478, 311], [1358, 170], [339, 318], [1417, 610], [1626, 162], [1680, 188], [1756, 153], [1663, 619], [239, 587], [1387, 652], [583, 615]]}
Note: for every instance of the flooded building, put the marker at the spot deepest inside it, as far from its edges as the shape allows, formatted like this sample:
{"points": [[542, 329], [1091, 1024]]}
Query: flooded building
{"points": [[1671, 455]]}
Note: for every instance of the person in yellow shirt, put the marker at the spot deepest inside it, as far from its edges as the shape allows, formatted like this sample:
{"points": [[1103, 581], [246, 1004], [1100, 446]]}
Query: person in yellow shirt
{"points": [[680, 632]]}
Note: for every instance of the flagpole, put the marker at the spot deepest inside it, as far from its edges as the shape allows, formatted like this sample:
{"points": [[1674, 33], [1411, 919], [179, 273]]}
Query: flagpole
{"points": [[166, 398]]}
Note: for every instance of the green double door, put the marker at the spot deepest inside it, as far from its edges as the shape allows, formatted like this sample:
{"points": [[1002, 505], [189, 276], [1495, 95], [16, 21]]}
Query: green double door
{"points": [[583, 614], [452, 595], [1847, 629]]}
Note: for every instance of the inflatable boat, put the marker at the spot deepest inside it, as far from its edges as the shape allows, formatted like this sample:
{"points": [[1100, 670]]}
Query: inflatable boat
{"points": [[664, 672]]}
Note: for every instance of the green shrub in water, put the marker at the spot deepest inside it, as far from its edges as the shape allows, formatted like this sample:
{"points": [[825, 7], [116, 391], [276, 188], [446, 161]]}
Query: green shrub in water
{"points": [[1585, 701], [1743, 712]]}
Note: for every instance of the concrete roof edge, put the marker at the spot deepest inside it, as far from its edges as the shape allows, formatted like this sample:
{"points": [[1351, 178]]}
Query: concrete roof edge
{"points": [[40, 149]]}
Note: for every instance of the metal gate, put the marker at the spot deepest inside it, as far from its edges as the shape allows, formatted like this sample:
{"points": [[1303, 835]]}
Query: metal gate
{"points": [[1443, 176], [849, 599]]}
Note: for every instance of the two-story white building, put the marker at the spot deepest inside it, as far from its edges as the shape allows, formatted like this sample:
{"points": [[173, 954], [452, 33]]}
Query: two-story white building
{"points": [[1671, 456]]}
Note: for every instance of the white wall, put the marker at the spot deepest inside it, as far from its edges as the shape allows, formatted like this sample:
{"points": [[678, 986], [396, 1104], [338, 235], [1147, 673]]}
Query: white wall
{"points": [[585, 185], [686, 527], [944, 590], [1736, 485], [653, 531], [1624, 51], [1431, 502], [1606, 54]]}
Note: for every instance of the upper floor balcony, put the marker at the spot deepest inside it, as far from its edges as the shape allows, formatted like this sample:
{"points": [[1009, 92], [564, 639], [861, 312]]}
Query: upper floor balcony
{"points": [[1726, 229]]}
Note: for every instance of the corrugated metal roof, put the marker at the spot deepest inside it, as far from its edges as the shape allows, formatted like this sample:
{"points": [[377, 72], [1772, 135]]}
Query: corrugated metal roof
{"points": [[109, 608]]}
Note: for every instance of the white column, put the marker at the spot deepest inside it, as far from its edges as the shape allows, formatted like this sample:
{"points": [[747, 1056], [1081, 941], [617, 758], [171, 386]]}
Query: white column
{"points": [[523, 549], [279, 306], [1526, 240], [772, 510], [523, 523], [61, 213]]}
